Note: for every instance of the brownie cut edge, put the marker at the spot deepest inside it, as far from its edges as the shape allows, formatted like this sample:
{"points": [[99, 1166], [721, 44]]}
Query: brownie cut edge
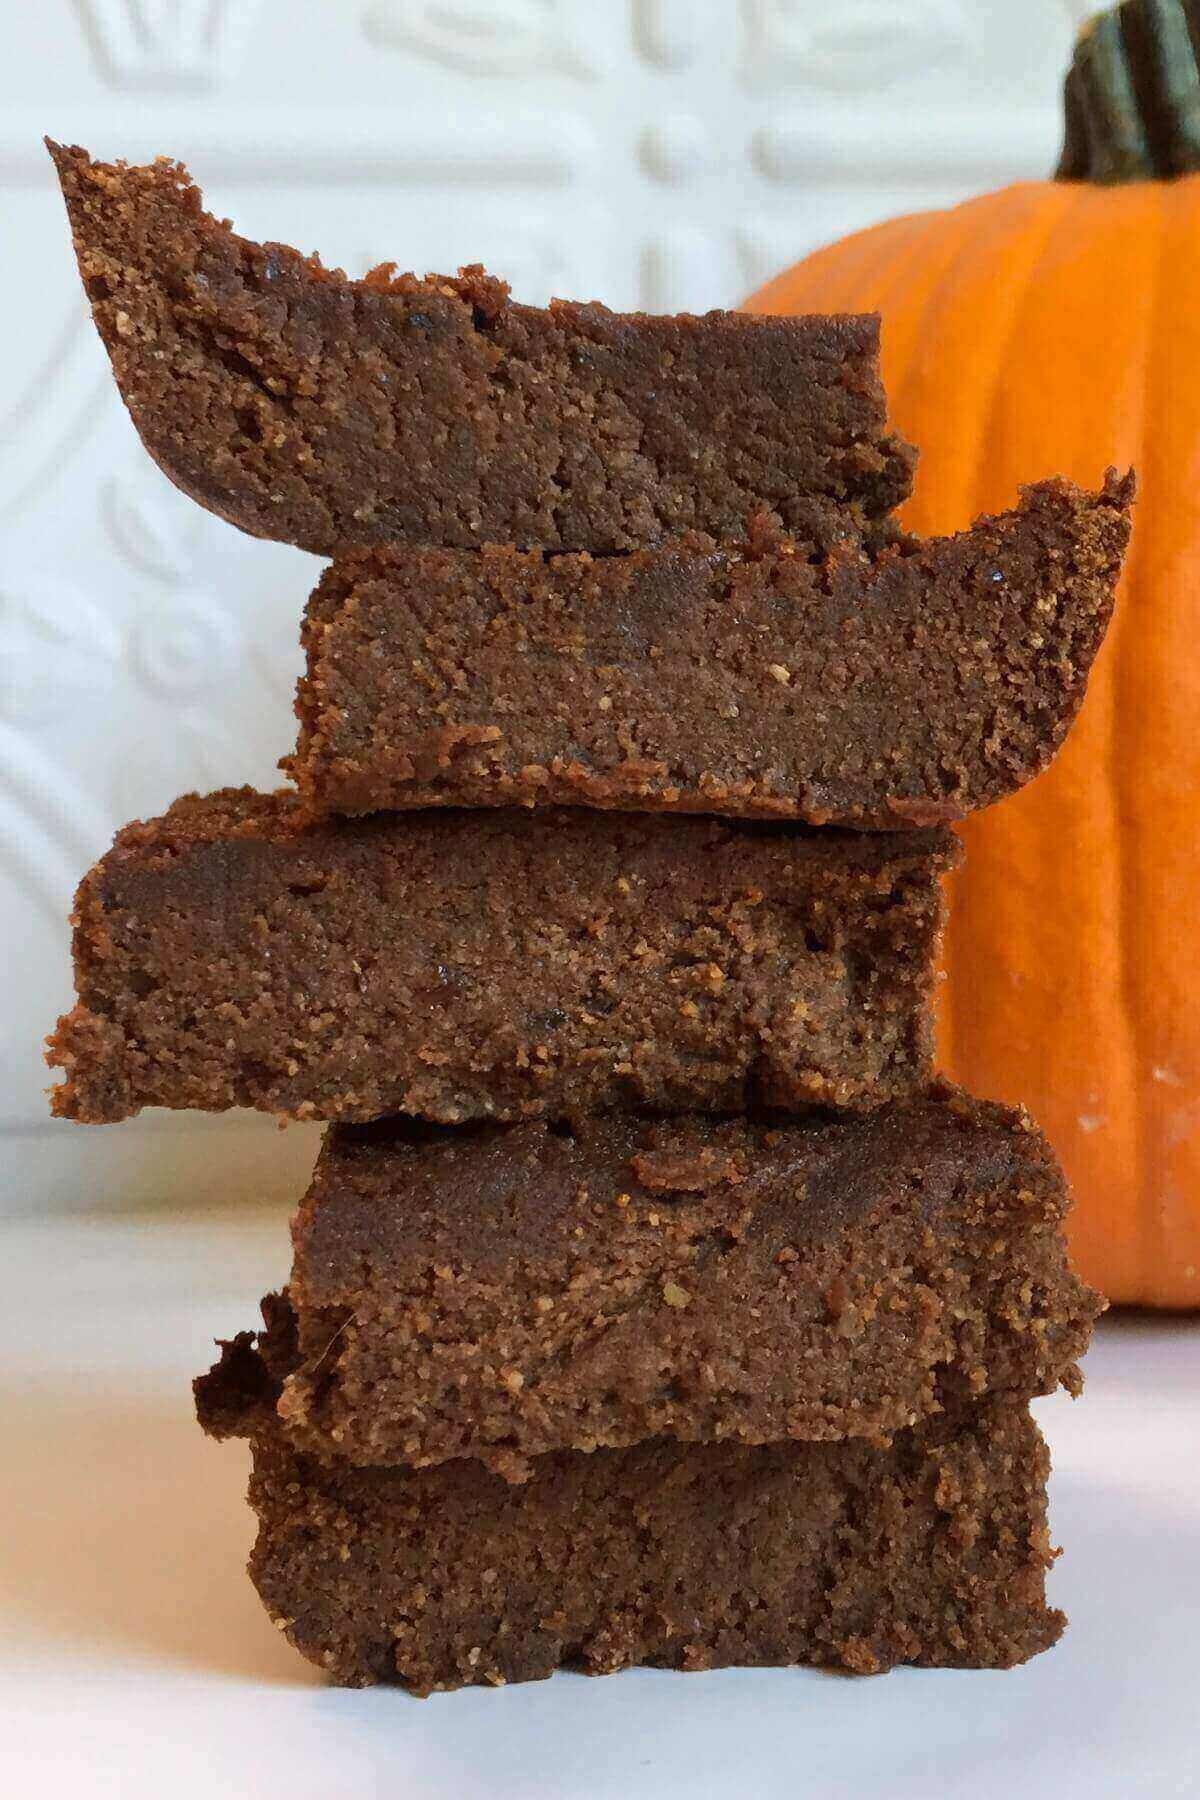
{"points": [[503, 1292], [502, 964], [911, 685], [324, 412], [932, 1550]]}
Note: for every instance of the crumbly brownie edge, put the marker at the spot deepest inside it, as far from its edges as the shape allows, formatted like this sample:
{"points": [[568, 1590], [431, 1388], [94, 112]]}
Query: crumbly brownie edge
{"points": [[932, 1551], [504, 1292], [315, 410], [551, 965], [912, 686]]}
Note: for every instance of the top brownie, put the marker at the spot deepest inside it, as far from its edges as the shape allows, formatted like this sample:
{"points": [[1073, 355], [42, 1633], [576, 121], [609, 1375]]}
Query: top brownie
{"points": [[329, 413]]}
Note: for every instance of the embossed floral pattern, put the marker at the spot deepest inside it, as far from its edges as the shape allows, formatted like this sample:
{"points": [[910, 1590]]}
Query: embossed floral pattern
{"points": [[56, 646], [670, 33], [154, 526], [850, 46], [54, 413], [168, 43], [184, 644], [484, 37]]}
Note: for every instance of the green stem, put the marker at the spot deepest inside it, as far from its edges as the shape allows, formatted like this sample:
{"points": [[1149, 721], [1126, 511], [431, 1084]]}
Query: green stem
{"points": [[1132, 95]]}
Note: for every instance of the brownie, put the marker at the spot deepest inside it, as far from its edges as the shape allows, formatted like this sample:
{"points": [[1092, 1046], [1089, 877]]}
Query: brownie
{"points": [[875, 690], [327, 413], [502, 1292], [501, 964], [932, 1549]]}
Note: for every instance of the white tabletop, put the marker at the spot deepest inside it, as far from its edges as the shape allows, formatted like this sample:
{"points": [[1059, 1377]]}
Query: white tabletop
{"points": [[135, 1659]]}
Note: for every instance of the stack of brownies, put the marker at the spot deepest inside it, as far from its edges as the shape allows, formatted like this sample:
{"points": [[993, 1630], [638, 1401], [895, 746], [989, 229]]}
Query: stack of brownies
{"points": [[651, 1302]]}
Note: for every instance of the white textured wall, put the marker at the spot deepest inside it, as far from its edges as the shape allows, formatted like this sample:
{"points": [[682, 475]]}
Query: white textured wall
{"points": [[658, 153]]}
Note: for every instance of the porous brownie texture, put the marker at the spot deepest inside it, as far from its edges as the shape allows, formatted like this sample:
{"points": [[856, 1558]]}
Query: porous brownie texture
{"points": [[327, 413], [501, 1292], [879, 690], [932, 1550], [504, 964]]}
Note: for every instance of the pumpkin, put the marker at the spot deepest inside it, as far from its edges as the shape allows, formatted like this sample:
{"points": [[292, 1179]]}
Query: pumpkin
{"points": [[1054, 328]]}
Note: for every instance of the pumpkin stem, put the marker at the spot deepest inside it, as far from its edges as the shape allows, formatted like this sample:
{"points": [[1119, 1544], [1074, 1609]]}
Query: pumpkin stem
{"points": [[1132, 94]]}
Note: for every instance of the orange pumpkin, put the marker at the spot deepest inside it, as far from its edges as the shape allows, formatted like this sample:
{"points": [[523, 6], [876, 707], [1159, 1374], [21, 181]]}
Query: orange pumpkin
{"points": [[1051, 328]]}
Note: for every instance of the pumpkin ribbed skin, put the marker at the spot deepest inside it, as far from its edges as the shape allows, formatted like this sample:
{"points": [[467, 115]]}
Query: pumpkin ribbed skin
{"points": [[1054, 328]]}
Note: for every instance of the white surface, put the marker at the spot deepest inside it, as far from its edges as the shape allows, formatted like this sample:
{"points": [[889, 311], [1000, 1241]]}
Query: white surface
{"points": [[136, 1661], [668, 153]]}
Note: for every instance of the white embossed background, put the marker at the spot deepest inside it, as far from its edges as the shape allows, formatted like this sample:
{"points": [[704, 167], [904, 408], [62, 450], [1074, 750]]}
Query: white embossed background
{"points": [[658, 153]]}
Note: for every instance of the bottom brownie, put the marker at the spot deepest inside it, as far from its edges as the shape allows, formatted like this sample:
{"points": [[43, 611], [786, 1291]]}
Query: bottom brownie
{"points": [[932, 1551]]}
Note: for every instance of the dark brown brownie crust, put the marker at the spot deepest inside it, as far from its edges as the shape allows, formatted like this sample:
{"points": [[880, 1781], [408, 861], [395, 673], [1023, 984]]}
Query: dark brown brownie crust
{"points": [[504, 1292], [931, 1551], [911, 686], [503, 965], [326, 412]]}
